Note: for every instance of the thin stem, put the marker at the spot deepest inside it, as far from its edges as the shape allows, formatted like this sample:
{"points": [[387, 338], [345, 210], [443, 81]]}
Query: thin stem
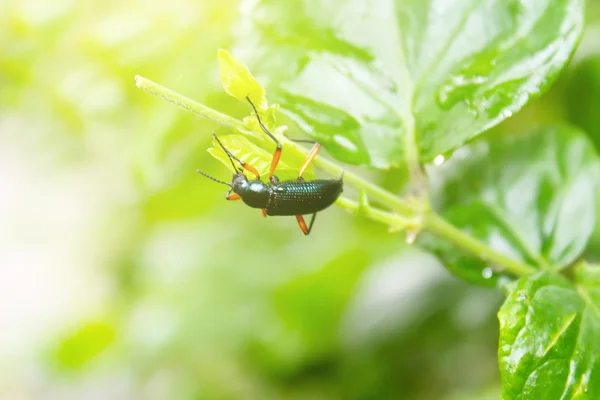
{"points": [[188, 104], [411, 149], [414, 215], [439, 226], [201, 110], [374, 191], [395, 221], [415, 172]]}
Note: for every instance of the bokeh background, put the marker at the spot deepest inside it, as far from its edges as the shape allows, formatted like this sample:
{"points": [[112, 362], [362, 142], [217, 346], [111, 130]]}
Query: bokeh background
{"points": [[125, 275]]}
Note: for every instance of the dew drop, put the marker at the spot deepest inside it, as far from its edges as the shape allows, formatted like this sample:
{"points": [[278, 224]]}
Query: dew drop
{"points": [[487, 273], [522, 297], [507, 113], [439, 160], [411, 236], [472, 108]]}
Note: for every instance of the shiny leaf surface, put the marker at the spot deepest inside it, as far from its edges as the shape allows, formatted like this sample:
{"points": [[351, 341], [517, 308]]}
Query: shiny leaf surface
{"points": [[358, 75], [549, 330], [532, 197]]}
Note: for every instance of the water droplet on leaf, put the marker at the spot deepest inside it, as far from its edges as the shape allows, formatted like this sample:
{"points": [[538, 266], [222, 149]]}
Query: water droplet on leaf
{"points": [[487, 273], [459, 88], [439, 160], [411, 236]]}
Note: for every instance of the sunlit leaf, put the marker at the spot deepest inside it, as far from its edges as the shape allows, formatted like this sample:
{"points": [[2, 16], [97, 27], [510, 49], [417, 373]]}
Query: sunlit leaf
{"points": [[238, 81], [549, 330], [247, 151], [532, 198], [84, 344], [357, 75]]}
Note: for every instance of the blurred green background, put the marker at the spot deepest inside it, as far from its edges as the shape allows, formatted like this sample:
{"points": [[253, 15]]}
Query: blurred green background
{"points": [[123, 274]]}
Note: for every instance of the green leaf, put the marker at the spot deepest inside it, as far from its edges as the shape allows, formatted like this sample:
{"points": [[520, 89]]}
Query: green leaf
{"points": [[238, 82], [582, 97], [83, 345], [310, 309], [549, 337], [249, 152], [361, 75], [531, 197]]}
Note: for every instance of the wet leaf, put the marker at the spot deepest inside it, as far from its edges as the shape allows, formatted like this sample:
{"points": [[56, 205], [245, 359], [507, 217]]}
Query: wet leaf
{"points": [[357, 75], [532, 197], [549, 330]]}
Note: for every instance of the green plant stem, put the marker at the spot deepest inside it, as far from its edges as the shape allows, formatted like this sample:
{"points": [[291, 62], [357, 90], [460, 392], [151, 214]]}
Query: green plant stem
{"points": [[415, 172], [411, 149], [405, 215], [201, 110], [394, 221], [439, 226], [187, 104], [374, 191]]}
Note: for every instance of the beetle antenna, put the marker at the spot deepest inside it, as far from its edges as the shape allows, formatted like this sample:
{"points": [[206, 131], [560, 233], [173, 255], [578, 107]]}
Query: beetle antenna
{"points": [[213, 178], [231, 156]]}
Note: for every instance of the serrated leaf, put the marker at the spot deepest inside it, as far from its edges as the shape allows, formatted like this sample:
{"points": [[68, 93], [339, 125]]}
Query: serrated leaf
{"points": [[532, 197], [238, 82], [259, 158], [549, 337], [357, 74]]}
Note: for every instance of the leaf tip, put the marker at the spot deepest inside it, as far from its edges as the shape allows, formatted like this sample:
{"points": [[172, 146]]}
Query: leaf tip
{"points": [[237, 80]]}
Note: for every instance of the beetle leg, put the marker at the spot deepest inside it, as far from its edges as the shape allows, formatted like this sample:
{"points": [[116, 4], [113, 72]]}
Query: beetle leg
{"points": [[250, 168], [312, 221], [311, 156], [302, 224], [233, 196], [275, 160], [277, 154], [264, 212]]}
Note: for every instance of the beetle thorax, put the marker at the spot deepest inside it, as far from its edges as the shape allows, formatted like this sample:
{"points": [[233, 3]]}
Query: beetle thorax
{"points": [[254, 193]]}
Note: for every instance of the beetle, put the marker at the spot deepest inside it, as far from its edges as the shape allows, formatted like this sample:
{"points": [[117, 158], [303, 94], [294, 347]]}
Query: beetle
{"points": [[289, 198]]}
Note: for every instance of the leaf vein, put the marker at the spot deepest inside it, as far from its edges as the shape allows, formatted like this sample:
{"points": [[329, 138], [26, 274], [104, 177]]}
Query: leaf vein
{"points": [[514, 231], [449, 40], [560, 332], [588, 300], [577, 341]]}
